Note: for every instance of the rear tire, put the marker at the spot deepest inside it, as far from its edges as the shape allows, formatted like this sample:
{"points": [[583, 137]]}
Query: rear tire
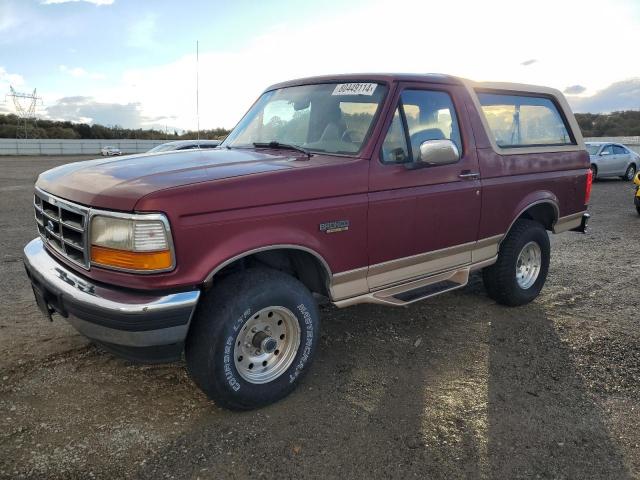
{"points": [[519, 274], [630, 173], [252, 338]]}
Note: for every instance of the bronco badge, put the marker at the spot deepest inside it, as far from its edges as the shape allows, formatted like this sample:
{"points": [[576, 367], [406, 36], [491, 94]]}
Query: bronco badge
{"points": [[335, 226]]}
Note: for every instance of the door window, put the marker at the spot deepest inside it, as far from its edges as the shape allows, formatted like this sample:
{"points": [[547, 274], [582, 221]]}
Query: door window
{"points": [[608, 150], [394, 148], [421, 115]]}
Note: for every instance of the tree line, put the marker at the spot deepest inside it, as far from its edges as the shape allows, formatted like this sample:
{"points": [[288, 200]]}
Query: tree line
{"points": [[11, 126], [616, 124]]}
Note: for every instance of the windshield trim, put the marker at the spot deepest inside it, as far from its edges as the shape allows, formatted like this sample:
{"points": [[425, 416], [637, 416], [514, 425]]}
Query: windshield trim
{"points": [[366, 139]]}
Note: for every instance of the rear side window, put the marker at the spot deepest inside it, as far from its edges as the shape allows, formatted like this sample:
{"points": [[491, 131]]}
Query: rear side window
{"points": [[617, 150], [524, 121]]}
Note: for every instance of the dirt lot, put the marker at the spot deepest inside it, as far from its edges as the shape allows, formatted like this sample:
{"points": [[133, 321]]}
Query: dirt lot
{"points": [[454, 387]]}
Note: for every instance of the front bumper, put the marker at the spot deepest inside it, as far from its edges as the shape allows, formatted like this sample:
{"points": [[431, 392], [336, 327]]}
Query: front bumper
{"points": [[137, 325]]}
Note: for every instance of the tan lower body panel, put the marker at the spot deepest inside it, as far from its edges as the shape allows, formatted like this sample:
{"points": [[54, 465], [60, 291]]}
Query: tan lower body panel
{"points": [[567, 223], [366, 285], [346, 286]]}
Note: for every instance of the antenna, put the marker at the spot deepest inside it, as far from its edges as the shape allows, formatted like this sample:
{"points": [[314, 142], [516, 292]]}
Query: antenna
{"points": [[25, 114], [198, 88]]}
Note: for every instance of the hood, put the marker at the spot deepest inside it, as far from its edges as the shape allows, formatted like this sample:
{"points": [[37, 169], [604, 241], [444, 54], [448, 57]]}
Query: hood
{"points": [[118, 183]]}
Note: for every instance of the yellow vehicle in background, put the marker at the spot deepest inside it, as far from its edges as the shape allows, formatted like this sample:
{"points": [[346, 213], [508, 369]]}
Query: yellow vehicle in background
{"points": [[636, 200]]}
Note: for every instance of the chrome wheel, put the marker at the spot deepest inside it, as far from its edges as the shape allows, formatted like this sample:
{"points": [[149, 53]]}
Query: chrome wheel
{"points": [[266, 345], [631, 172], [528, 265]]}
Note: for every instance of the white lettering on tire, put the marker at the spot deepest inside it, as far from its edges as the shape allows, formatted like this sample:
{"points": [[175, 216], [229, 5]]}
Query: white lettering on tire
{"points": [[229, 371], [307, 344]]}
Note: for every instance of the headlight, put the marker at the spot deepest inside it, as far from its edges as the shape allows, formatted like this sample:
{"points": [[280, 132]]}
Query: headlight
{"points": [[139, 243]]}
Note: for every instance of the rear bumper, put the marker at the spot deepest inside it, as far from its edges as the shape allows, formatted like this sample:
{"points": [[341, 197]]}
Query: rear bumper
{"points": [[582, 228], [133, 324]]}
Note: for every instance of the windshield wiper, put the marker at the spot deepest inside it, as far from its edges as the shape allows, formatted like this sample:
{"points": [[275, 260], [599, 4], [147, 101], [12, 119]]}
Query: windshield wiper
{"points": [[274, 144]]}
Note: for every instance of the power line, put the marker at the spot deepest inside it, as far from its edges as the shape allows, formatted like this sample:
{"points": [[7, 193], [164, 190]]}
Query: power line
{"points": [[25, 113]]}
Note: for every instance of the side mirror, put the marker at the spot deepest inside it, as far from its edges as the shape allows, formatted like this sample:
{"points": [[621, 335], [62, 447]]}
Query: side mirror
{"points": [[438, 152], [606, 152], [636, 179]]}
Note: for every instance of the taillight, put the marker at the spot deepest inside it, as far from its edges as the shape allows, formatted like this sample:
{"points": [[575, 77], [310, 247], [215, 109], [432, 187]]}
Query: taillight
{"points": [[587, 190]]}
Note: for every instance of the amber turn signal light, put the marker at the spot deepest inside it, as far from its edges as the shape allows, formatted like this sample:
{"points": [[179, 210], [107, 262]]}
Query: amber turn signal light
{"points": [[110, 257]]}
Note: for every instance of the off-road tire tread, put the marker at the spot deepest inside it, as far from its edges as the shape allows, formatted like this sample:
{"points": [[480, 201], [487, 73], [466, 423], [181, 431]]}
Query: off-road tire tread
{"points": [[499, 278], [204, 348]]}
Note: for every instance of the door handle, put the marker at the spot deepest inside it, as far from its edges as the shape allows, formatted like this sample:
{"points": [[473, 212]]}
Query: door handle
{"points": [[467, 175]]}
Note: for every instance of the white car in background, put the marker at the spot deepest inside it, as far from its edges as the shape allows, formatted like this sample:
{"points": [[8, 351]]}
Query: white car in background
{"points": [[109, 151], [612, 160]]}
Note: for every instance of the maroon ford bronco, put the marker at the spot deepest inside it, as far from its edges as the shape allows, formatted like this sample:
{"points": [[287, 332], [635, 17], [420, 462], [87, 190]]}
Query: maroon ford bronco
{"points": [[385, 189]]}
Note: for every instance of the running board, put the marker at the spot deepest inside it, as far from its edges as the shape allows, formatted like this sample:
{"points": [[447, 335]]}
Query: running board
{"points": [[411, 292]]}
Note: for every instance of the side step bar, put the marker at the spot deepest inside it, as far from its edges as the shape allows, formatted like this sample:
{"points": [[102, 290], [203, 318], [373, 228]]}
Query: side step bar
{"points": [[414, 291]]}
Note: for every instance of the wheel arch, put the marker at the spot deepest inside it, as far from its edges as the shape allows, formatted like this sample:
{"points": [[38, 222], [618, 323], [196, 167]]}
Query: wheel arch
{"points": [[544, 211], [303, 263]]}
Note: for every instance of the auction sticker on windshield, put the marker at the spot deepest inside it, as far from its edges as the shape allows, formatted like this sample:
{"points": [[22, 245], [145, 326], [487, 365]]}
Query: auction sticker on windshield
{"points": [[354, 89]]}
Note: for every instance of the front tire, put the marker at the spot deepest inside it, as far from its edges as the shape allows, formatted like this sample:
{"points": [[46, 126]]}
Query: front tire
{"points": [[519, 274], [594, 172], [630, 173], [253, 338]]}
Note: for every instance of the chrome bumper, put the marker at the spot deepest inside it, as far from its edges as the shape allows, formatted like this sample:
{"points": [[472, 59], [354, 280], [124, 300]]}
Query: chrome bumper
{"points": [[118, 318]]}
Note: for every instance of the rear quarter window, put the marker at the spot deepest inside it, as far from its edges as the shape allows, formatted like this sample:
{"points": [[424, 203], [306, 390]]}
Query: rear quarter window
{"points": [[524, 120]]}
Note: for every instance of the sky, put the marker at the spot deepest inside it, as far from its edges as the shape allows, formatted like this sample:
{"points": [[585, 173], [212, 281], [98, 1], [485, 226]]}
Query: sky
{"points": [[133, 62]]}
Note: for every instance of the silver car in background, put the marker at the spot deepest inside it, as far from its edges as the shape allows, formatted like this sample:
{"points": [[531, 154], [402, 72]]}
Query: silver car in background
{"points": [[612, 160]]}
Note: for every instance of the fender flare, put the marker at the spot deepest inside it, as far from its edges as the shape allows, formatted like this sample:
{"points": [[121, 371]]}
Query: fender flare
{"points": [[551, 200], [283, 246]]}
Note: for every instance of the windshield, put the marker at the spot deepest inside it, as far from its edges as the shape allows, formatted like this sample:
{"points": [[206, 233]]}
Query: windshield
{"points": [[328, 117], [592, 149]]}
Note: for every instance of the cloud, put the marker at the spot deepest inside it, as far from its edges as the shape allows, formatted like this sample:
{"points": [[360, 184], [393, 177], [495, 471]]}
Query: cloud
{"points": [[88, 110], [141, 33], [624, 95], [79, 72], [7, 79], [575, 90], [234, 69], [95, 2]]}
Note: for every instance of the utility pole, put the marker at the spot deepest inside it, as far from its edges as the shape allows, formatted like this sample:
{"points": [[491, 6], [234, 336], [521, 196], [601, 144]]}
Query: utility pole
{"points": [[198, 88]]}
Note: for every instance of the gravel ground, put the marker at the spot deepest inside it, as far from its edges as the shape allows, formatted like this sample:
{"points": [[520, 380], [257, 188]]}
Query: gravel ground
{"points": [[454, 387]]}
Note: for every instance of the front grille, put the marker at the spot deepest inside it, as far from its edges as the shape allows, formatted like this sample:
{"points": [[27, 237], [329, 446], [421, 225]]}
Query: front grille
{"points": [[63, 227]]}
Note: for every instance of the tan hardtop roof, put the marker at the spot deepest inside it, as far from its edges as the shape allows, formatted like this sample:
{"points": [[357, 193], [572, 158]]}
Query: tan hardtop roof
{"points": [[511, 86]]}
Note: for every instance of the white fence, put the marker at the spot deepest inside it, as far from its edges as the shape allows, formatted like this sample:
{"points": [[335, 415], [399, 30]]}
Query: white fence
{"points": [[10, 146], [632, 142]]}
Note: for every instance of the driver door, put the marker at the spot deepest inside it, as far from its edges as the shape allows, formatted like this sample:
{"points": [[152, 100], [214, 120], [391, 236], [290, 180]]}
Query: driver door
{"points": [[421, 220]]}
